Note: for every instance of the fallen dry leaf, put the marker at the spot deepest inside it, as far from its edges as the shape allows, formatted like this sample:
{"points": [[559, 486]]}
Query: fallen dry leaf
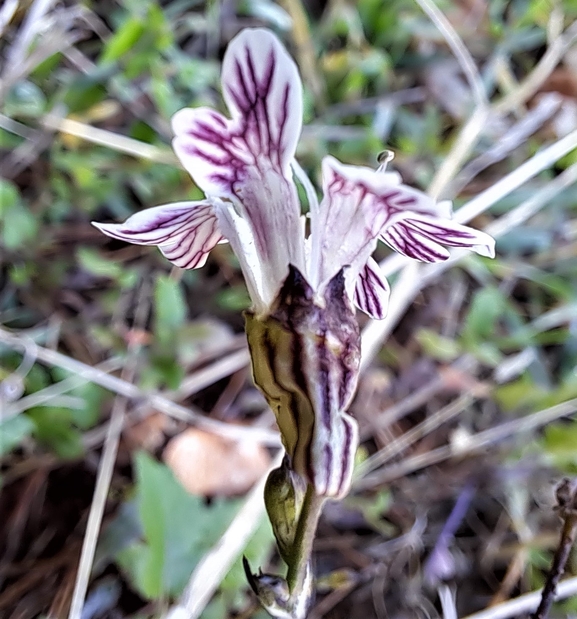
{"points": [[208, 464], [147, 434]]}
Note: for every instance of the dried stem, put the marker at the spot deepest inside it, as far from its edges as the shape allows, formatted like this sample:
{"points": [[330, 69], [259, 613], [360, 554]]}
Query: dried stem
{"points": [[567, 506]]}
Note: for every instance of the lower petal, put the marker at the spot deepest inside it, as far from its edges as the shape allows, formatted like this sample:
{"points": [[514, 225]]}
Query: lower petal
{"points": [[185, 232], [372, 291]]}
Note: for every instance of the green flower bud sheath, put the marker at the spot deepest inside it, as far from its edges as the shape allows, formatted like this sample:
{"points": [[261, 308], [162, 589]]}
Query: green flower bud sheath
{"points": [[305, 360], [284, 495]]}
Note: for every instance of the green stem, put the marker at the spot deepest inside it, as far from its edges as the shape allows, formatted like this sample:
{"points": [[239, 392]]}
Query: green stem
{"points": [[303, 543]]}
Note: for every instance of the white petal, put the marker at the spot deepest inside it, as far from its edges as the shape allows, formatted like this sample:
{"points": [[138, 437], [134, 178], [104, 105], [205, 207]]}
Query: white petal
{"points": [[361, 204], [185, 232], [345, 227], [262, 87], [388, 189], [372, 291]]}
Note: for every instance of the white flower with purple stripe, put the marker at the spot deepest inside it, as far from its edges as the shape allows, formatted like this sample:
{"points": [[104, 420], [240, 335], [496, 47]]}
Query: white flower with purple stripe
{"points": [[245, 167]]}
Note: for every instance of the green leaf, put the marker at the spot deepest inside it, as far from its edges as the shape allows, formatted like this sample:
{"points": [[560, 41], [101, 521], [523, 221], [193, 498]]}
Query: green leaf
{"points": [[25, 99], [54, 427], [96, 264], [437, 346], [518, 393], [18, 224], [177, 528], [86, 91], [123, 40], [235, 298], [488, 305], [92, 397], [257, 552], [13, 431], [560, 443], [170, 309]]}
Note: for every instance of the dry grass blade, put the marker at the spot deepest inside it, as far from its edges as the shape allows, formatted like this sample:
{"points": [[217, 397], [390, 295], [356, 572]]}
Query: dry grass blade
{"points": [[154, 400], [464, 143], [7, 13], [53, 391], [473, 444], [557, 48], [117, 142], [459, 49], [418, 398], [305, 47], [525, 603], [535, 118], [212, 373], [106, 469], [32, 25], [416, 433]]}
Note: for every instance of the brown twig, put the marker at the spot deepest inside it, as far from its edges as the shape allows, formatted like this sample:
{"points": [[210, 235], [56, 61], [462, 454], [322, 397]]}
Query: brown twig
{"points": [[567, 506]]}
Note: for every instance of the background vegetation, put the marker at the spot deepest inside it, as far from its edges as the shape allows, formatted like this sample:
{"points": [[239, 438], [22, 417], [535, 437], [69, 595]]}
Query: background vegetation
{"points": [[469, 389]]}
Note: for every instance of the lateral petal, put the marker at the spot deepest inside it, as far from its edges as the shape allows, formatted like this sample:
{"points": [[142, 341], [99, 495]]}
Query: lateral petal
{"points": [[452, 234], [185, 232], [372, 291], [422, 237]]}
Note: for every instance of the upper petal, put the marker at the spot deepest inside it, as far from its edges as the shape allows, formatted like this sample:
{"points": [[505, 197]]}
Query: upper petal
{"points": [[185, 232], [245, 161], [263, 91]]}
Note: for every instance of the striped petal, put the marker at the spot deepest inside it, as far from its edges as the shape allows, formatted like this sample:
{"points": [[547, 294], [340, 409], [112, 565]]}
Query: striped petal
{"points": [[185, 232], [372, 291], [358, 204], [412, 243], [453, 234], [422, 237], [263, 91], [245, 160]]}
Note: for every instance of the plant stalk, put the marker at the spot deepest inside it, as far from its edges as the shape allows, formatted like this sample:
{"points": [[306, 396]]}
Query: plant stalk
{"points": [[300, 562]]}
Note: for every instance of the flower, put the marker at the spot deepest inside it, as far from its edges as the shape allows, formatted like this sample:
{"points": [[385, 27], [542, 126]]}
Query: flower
{"points": [[302, 333], [245, 167]]}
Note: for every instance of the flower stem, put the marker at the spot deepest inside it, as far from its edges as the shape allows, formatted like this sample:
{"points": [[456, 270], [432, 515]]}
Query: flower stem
{"points": [[300, 563]]}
